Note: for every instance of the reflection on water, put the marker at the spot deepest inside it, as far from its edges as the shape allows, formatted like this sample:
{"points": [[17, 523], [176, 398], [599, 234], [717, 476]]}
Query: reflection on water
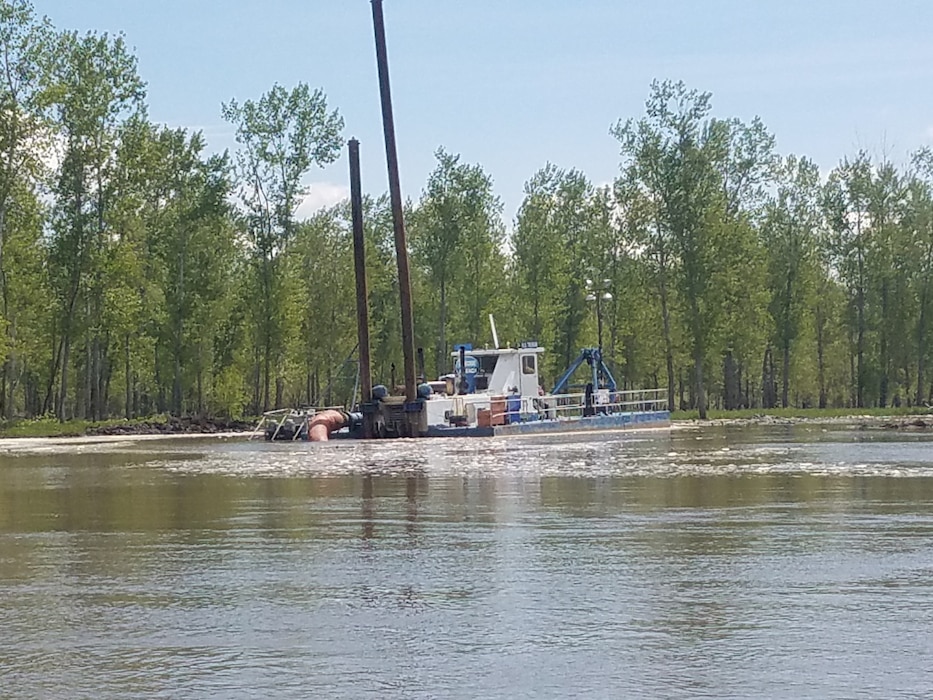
{"points": [[786, 561]]}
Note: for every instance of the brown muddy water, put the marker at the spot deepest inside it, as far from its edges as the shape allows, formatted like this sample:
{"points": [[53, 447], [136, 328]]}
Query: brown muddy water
{"points": [[721, 562]]}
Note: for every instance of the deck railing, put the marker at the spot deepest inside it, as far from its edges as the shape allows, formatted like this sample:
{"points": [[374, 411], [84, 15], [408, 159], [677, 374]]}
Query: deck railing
{"points": [[298, 416], [570, 405]]}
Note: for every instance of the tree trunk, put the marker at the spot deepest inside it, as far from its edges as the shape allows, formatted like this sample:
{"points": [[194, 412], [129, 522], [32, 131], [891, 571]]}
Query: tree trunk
{"points": [[700, 384], [128, 409], [668, 344], [3, 400], [31, 394], [96, 372], [83, 386], [785, 338], [200, 387], [921, 346], [785, 383], [680, 390], [160, 396], [105, 376], [268, 309], [63, 386], [860, 347], [731, 383], [768, 383], [266, 372], [883, 387], [49, 403], [696, 327], [5, 406], [308, 393], [176, 377], [820, 355], [852, 372], [441, 356], [257, 380]]}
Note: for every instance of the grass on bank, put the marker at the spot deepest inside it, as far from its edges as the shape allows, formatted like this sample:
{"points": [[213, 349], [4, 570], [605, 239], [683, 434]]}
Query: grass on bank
{"points": [[809, 413]]}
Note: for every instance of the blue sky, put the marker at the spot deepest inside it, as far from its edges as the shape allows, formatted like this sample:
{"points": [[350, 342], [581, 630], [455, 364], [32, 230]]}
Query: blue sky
{"points": [[515, 84]]}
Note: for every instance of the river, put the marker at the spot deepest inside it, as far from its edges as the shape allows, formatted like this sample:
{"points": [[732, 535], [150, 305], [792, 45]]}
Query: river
{"points": [[717, 562]]}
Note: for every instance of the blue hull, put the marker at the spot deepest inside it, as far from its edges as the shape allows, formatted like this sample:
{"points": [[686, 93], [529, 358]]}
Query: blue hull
{"points": [[613, 421]]}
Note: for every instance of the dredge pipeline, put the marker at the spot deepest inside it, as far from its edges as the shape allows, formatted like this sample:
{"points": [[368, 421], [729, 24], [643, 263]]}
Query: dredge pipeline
{"points": [[322, 424]]}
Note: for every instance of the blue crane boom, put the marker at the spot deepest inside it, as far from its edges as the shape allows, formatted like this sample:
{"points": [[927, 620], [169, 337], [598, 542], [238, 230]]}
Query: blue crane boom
{"points": [[594, 358]]}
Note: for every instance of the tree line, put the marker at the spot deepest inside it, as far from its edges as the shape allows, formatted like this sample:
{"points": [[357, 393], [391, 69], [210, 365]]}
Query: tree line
{"points": [[141, 274]]}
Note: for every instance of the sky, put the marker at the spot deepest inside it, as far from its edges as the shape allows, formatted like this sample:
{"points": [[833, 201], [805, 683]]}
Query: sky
{"points": [[515, 84]]}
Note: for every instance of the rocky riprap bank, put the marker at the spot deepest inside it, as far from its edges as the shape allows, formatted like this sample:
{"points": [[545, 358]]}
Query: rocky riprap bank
{"points": [[912, 423], [862, 422], [173, 426]]}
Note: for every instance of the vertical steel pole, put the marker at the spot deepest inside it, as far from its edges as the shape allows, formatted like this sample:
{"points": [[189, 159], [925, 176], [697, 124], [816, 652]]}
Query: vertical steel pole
{"points": [[597, 366], [599, 323], [362, 295], [395, 194], [422, 377]]}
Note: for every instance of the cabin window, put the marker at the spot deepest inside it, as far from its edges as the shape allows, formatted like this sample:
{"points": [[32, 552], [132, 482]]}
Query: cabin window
{"points": [[487, 363], [528, 364]]}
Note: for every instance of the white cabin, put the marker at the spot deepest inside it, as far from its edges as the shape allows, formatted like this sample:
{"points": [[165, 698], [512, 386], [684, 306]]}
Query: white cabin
{"points": [[486, 373]]}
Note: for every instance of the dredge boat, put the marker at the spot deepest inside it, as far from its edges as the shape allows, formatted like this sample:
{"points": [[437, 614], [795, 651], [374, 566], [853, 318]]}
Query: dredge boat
{"points": [[491, 392], [498, 392]]}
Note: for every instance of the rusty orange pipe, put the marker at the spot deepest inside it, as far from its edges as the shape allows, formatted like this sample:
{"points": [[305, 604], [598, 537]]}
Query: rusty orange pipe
{"points": [[324, 423]]}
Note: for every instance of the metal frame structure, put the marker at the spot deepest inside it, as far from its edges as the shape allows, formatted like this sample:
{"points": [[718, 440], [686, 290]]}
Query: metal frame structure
{"points": [[594, 358]]}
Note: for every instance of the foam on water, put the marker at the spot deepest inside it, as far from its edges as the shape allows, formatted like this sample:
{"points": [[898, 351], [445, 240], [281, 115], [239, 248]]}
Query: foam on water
{"points": [[652, 453]]}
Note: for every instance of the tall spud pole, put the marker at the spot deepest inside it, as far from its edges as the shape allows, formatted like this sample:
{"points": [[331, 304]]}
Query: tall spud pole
{"points": [[362, 295], [395, 195]]}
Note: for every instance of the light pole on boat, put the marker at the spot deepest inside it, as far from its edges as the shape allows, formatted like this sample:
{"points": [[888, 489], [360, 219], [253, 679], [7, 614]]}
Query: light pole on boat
{"points": [[599, 293]]}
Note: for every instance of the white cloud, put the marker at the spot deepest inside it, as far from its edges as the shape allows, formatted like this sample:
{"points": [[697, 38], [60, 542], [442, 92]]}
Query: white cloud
{"points": [[320, 196]]}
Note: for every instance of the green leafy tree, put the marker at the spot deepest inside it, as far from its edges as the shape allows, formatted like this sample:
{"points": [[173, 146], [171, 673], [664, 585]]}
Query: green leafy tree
{"points": [[282, 136], [640, 271], [554, 253], [97, 89], [323, 255], [537, 252], [639, 195], [24, 136], [673, 150], [887, 260], [790, 235], [382, 274], [192, 238], [918, 225], [846, 202], [456, 233], [26, 341]]}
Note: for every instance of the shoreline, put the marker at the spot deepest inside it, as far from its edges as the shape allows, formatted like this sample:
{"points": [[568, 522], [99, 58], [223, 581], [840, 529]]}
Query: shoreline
{"points": [[156, 426], [862, 421], [193, 428], [13, 444]]}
